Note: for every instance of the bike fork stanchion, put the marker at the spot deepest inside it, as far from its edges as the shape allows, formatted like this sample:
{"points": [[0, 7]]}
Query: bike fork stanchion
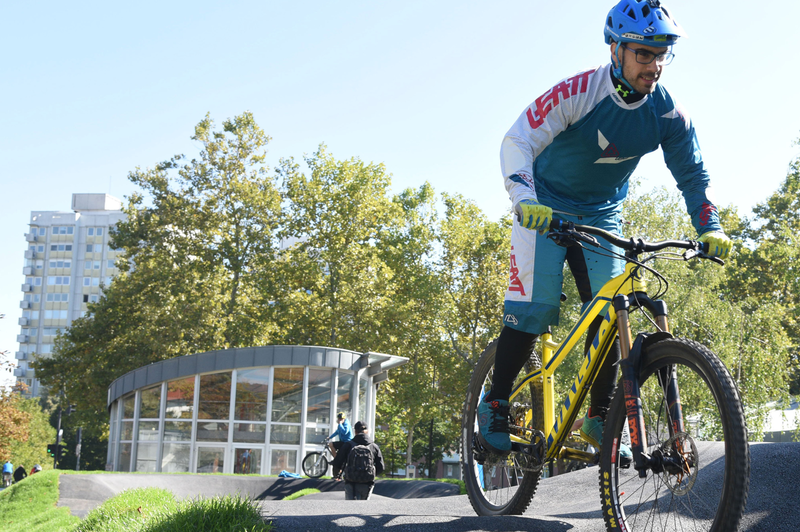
{"points": [[630, 383]]}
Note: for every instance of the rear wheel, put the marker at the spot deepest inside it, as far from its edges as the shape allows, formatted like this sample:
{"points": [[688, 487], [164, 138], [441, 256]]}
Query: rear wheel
{"points": [[500, 485], [706, 476], [315, 465]]}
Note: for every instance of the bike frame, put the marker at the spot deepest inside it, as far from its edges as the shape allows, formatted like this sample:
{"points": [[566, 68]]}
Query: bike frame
{"points": [[554, 353]]}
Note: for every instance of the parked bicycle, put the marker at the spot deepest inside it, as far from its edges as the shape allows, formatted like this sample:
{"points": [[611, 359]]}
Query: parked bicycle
{"points": [[675, 396], [315, 464]]}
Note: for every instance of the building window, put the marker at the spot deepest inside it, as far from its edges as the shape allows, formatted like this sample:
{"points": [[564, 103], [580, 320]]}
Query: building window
{"points": [[362, 399], [215, 396], [210, 459], [47, 349], [344, 391], [149, 402], [37, 248], [111, 264], [61, 247], [91, 281], [55, 314], [175, 457], [33, 298], [180, 398], [283, 460], [92, 231], [287, 394], [252, 392], [57, 280], [319, 396], [63, 229], [60, 263], [58, 298]]}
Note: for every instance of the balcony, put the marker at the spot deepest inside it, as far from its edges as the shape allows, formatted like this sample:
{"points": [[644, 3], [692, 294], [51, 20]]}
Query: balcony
{"points": [[30, 237], [20, 355], [26, 287], [27, 270], [30, 254], [23, 372], [22, 338], [24, 304], [23, 322]]}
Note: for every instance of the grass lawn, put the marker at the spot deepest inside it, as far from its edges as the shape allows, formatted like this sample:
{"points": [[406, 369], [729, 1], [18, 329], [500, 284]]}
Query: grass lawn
{"points": [[30, 506], [298, 494]]}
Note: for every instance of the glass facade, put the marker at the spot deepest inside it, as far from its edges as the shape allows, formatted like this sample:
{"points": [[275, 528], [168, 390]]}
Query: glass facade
{"points": [[255, 420]]}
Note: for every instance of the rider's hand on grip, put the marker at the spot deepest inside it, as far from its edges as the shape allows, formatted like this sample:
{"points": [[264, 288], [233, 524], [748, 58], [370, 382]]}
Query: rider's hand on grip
{"points": [[533, 215], [719, 245]]}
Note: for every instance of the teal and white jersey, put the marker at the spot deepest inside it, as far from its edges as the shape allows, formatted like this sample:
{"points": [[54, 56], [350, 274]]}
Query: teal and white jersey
{"points": [[576, 146]]}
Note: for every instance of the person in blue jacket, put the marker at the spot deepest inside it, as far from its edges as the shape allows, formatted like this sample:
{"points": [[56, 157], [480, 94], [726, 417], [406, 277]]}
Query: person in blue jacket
{"points": [[570, 154], [8, 471], [344, 432]]}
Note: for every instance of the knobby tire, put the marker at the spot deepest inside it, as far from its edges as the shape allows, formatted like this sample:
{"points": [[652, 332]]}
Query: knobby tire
{"points": [[710, 492], [511, 489]]}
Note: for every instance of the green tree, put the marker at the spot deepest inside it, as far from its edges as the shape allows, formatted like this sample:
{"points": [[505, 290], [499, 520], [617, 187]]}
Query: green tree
{"points": [[14, 420], [766, 277], [745, 332], [41, 433], [336, 285], [196, 261]]}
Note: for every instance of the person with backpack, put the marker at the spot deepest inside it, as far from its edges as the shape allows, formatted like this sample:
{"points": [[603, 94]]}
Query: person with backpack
{"points": [[360, 460], [20, 474]]}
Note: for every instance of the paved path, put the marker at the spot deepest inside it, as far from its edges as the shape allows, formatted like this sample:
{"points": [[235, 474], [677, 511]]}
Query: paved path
{"points": [[563, 503]]}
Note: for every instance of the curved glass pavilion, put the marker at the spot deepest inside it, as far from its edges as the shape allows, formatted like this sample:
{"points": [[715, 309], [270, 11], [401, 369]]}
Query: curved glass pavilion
{"points": [[246, 410]]}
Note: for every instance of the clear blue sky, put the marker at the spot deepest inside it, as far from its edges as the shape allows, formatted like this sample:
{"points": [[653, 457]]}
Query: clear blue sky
{"points": [[92, 90]]}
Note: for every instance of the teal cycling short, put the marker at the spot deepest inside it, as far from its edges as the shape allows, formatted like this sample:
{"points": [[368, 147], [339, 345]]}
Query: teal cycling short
{"points": [[536, 276]]}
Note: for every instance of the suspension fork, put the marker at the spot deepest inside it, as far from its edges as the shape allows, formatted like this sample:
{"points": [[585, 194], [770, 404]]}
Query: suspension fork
{"points": [[667, 376], [630, 354], [630, 386]]}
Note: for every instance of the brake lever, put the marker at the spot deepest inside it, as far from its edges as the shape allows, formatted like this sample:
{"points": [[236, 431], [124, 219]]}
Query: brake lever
{"points": [[693, 253]]}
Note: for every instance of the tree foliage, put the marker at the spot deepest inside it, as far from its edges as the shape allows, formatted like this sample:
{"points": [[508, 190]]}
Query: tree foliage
{"points": [[13, 422]]}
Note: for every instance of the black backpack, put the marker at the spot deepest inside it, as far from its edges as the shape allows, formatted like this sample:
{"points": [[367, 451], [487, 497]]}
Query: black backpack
{"points": [[360, 466]]}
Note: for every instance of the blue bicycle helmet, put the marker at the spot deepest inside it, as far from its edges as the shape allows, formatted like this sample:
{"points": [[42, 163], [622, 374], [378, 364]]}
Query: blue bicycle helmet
{"points": [[642, 21]]}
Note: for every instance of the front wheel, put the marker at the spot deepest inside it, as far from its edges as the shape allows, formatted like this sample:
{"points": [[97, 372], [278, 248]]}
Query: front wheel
{"points": [[704, 483], [315, 465]]}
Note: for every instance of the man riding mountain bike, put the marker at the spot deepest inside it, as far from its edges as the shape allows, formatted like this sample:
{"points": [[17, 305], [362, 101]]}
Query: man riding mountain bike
{"points": [[571, 152], [343, 430]]}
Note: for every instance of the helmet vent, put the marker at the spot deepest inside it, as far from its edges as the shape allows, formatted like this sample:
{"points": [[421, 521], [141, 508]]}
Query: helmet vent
{"points": [[645, 10], [664, 9], [609, 23], [630, 12]]}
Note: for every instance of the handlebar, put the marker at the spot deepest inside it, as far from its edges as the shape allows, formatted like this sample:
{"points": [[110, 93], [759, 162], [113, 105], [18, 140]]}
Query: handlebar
{"points": [[560, 229]]}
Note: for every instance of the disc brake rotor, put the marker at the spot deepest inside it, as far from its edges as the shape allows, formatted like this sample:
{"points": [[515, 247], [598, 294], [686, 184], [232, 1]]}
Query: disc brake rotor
{"points": [[681, 472]]}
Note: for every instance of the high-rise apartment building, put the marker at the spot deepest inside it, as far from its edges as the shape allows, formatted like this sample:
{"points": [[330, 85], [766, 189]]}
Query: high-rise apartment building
{"points": [[67, 264]]}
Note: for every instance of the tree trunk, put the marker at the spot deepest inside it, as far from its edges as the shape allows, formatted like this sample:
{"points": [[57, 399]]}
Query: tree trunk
{"points": [[409, 449]]}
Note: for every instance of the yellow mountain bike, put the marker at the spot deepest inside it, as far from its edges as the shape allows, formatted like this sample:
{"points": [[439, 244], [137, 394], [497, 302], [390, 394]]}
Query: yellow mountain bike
{"points": [[676, 405]]}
